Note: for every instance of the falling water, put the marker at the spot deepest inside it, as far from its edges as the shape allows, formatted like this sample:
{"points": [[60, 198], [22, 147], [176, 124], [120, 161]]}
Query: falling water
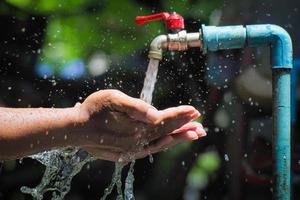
{"points": [[149, 81], [149, 84], [63, 164], [128, 191], [146, 95], [116, 180]]}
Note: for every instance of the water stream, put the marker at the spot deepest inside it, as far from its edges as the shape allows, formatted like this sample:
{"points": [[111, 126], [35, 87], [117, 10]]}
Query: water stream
{"points": [[63, 164], [149, 81], [146, 95]]}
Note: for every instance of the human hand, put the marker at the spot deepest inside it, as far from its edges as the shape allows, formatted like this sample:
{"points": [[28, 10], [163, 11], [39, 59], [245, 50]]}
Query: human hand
{"points": [[116, 127]]}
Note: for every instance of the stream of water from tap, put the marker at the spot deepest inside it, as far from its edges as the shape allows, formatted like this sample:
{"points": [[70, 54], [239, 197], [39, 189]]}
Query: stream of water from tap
{"points": [[146, 95], [63, 164]]}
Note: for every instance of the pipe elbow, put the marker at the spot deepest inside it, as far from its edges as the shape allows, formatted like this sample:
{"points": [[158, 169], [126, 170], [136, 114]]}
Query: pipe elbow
{"points": [[275, 36], [282, 47], [279, 34], [156, 47]]}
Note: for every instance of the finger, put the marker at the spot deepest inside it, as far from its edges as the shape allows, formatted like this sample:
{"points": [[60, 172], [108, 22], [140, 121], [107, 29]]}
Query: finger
{"points": [[135, 108], [157, 146], [142, 111], [173, 118], [116, 100], [173, 112], [158, 123], [160, 145], [169, 141], [189, 126], [169, 114]]}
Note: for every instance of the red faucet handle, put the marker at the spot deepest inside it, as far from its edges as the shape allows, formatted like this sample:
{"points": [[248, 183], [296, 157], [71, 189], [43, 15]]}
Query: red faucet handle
{"points": [[172, 21]]}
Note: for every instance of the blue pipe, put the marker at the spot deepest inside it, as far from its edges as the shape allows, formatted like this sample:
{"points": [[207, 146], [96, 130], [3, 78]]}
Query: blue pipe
{"points": [[231, 37], [221, 38]]}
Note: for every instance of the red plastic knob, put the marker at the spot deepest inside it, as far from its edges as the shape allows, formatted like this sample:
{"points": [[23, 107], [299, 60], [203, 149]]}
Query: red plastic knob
{"points": [[172, 21]]}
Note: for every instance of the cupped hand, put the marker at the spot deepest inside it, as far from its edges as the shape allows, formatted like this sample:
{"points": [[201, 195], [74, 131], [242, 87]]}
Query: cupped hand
{"points": [[118, 127]]}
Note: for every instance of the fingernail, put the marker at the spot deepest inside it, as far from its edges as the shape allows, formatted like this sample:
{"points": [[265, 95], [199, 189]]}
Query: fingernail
{"points": [[200, 132], [195, 114], [192, 135]]}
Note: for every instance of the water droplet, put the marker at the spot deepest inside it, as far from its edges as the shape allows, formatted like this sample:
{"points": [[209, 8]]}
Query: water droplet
{"points": [[217, 129], [183, 163], [226, 158], [151, 159]]}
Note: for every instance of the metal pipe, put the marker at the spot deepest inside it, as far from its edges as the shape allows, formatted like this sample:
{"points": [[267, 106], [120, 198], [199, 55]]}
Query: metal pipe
{"points": [[156, 47], [180, 41], [229, 37]]}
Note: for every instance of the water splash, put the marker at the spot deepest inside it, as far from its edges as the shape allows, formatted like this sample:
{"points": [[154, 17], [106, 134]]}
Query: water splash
{"points": [[116, 180], [63, 164], [128, 191]]}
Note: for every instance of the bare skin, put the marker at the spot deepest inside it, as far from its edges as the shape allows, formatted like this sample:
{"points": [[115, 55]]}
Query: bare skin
{"points": [[108, 124]]}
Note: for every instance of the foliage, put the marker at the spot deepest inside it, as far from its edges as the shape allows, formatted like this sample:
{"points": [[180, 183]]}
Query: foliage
{"points": [[206, 164], [72, 34], [78, 28]]}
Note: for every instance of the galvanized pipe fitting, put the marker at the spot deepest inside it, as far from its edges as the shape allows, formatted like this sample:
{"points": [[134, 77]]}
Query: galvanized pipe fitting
{"points": [[180, 41]]}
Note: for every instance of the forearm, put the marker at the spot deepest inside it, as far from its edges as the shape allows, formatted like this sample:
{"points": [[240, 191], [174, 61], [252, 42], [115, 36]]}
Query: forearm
{"points": [[24, 131]]}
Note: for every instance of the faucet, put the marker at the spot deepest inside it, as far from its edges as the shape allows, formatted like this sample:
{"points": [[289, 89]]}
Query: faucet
{"points": [[177, 39], [214, 38]]}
